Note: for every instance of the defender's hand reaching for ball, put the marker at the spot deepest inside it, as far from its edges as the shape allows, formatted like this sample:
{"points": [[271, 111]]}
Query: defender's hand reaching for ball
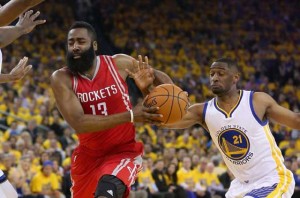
{"points": [[20, 70], [146, 114], [143, 74]]}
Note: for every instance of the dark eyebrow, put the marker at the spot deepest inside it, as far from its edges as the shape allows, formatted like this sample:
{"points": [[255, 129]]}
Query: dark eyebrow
{"points": [[222, 68], [80, 39]]}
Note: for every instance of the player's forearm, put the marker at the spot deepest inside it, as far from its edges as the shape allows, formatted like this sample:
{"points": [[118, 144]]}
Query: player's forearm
{"points": [[160, 78], [10, 11], [177, 125], [170, 126], [92, 123], [6, 78], [292, 120], [8, 34], [296, 123]]}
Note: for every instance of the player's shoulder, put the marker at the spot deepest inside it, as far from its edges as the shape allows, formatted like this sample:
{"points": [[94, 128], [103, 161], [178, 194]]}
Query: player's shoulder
{"points": [[61, 72], [122, 60], [61, 75], [262, 100], [121, 56], [261, 96]]}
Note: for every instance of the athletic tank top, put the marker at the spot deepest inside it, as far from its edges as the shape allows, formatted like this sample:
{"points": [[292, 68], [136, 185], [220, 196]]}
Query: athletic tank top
{"points": [[245, 142], [106, 94]]}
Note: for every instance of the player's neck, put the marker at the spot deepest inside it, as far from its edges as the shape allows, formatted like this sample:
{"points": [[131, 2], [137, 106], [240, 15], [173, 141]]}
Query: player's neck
{"points": [[91, 72], [230, 97]]}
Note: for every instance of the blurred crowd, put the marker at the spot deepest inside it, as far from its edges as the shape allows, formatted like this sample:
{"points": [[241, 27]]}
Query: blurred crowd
{"points": [[181, 38]]}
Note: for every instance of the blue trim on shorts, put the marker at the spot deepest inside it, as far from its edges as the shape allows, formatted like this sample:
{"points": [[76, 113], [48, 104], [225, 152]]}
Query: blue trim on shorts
{"points": [[262, 192]]}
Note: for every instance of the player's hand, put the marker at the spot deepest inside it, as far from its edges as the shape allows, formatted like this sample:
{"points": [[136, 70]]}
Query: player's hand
{"points": [[27, 21], [146, 114], [143, 73], [20, 70]]}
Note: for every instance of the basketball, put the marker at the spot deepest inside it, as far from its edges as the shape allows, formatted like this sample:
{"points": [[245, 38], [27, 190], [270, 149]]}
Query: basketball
{"points": [[172, 101]]}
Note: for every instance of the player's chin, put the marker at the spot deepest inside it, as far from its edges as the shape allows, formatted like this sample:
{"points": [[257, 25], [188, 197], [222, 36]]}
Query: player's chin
{"points": [[217, 90]]}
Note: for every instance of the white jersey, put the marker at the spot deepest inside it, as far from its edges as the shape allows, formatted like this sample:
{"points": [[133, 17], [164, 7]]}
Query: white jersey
{"points": [[6, 189], [246, 143]]}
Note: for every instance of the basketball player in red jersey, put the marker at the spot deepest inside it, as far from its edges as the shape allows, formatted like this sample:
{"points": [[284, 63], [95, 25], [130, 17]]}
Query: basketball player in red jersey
{"points": [[92, 96]]}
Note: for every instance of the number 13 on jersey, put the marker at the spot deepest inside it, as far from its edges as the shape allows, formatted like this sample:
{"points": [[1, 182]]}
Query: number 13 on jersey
{"points": [[99, 109]]}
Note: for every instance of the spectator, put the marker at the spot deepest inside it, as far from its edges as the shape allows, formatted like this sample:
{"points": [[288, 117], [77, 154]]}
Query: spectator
{"points": [[46, 182], [160, 180]]}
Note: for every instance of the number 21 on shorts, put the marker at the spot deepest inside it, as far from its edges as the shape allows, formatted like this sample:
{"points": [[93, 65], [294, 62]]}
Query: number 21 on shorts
{"points": [[99, 109]]}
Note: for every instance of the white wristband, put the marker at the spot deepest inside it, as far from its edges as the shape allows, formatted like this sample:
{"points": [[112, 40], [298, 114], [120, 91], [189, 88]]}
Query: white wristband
{"points": [[131, 116]]}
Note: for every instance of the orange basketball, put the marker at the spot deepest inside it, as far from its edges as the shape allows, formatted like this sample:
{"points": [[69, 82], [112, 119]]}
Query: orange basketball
{"points": [[172, 101]]}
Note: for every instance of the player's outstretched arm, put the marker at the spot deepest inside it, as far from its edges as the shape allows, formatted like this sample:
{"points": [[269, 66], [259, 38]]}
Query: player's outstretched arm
{"points": [[72, 111], [193, 116], [17, 73], [27, 22], [266, 106], [14, 8]]}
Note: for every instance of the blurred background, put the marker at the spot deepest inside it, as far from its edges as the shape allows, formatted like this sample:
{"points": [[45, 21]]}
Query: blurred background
{"points": [[181, 38]]}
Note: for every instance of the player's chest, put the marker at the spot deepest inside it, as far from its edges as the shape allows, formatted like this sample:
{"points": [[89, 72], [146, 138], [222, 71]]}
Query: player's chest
{"points": [[104, 89]]}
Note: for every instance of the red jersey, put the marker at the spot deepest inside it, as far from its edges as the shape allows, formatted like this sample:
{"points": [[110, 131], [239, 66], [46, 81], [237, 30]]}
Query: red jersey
{"points": [[105, 94]]}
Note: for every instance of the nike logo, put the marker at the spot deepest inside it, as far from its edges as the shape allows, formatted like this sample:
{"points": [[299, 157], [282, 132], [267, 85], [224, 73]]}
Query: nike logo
{"points": [[110, 192]]}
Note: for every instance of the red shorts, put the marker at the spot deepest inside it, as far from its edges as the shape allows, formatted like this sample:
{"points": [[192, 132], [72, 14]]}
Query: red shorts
{"points": [[86, 171]]}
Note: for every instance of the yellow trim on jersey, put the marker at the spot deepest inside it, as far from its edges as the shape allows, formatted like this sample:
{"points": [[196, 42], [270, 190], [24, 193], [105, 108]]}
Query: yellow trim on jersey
{"points": [[233, 108], [285, 177]]}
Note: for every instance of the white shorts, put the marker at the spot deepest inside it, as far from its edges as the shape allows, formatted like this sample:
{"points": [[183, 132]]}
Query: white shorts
{"points": [[265, 187]]}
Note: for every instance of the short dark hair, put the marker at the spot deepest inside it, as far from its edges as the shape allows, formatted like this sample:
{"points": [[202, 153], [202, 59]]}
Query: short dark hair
{"points": [[87, 26], [232, 64]]}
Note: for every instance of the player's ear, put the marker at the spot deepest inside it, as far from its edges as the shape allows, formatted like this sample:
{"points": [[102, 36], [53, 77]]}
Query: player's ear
{"points": [[236, 77], [95, 45]]}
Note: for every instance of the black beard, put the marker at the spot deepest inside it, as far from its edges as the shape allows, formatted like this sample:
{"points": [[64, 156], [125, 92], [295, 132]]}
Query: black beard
{"points": [[82, 64]]}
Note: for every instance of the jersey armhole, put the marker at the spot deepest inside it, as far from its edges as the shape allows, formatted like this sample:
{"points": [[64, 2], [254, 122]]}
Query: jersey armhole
{"points": [[74, 83], [2, 178], [73, 78], [115, 69], [204, 112], [261, 122]]}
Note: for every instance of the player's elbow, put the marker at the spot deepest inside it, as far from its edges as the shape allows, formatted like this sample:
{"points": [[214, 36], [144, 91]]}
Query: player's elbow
{"points": [[78, 124], [77, 128]]}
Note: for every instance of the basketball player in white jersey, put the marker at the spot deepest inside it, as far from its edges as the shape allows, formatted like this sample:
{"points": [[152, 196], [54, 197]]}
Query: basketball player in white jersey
{"points": [[238, 122], [8, 34]]}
